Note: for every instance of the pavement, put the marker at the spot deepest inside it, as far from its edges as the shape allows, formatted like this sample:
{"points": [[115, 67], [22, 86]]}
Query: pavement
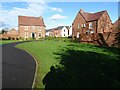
{"points": [[18, 67]]}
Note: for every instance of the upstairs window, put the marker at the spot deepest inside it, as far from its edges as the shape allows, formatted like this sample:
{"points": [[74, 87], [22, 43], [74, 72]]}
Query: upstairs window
{"points": [[26, 27], [90, 25], [84, 25], [78, 26], [33, 27], [39, 27], [81, 25]]}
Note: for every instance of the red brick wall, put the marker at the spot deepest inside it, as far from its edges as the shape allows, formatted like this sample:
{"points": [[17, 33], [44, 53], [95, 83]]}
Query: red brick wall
{"points": [[107, 39], [36, 30], [104, 24], [57, 33], [78, 20]]}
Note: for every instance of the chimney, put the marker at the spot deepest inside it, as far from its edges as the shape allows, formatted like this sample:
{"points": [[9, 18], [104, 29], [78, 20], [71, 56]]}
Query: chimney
{"points": [[40, 17], [81, 10]]}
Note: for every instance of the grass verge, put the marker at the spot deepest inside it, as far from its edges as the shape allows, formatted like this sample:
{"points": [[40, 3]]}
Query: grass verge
{"points": [[8, 41], [78, 65]]}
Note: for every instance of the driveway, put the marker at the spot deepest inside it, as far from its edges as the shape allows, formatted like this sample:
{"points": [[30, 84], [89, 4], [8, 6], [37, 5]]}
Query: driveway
{"points": [[18, 67]]}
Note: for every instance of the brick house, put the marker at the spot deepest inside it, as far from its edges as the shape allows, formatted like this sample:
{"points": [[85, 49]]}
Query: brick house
{"points": [[61, 31], [50, 33], [11, 34], [116, 26], [89, 23], [57, 32], [31, 27]]}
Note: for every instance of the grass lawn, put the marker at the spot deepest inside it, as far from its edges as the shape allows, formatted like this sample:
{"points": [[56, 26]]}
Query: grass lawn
{"points": [[8, 41], [74, 65]]}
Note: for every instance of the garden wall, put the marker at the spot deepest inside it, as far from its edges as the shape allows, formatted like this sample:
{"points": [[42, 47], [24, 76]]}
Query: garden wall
{"points": [[106, 39]]}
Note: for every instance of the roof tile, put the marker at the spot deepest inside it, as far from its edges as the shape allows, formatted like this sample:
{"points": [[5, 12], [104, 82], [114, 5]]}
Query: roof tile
{"points": [[30, 21]]}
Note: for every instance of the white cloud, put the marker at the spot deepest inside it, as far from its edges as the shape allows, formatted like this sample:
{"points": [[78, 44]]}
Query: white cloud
{"points": [[32, 9], [58, 17], [60, 24], [57, 9]]}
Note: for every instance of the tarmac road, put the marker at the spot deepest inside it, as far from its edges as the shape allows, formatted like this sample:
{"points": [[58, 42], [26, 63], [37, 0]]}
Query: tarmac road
{"points": [[18, 67]]}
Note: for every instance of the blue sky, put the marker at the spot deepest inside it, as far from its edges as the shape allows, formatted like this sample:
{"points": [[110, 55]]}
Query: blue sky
{"points": [[54, 13]]}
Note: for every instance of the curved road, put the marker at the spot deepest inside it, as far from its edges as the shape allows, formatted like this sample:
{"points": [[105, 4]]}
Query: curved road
{"points": [[18, 67]]}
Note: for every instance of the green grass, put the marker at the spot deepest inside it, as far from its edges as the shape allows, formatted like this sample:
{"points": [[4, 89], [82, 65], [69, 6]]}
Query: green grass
{"points": [[74, 62], [8, 41], [43, 52]]}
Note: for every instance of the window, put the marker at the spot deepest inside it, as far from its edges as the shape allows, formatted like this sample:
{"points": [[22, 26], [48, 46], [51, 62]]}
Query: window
{"points": [[39, 27], [26, 34], [40, 35], [33, 27], [64, 34], [78, 34], [84, 25], [78, 26], [26, 27], [90, 25], [56, 33], [92, 31], [89, 31], [64, 30]]}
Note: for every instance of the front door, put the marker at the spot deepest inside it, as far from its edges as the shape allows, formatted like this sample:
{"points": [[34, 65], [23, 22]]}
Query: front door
{"points": [[33, 35]]}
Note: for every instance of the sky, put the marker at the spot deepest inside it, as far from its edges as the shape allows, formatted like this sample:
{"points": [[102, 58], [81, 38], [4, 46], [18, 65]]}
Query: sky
{"points": [[54, 13]]}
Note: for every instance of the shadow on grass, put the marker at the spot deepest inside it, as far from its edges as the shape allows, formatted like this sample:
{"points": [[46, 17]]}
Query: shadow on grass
{"points": [[114, 50], [79, 69]]}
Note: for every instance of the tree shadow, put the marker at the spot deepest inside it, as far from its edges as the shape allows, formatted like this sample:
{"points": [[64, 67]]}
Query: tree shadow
{"points": [[116, 42], [102, 41], [114, 50], [80, 69]]}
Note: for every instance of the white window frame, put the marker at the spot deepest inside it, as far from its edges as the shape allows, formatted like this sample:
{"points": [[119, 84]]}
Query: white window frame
{"points": [[40, 34], [84, 25], [78, 26], [33, 27], [90, 25], [78, 33], [26, 34], [26, 27], [39, 27]]}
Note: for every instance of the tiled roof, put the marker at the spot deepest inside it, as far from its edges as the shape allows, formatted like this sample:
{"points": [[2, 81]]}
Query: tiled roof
{"points": [[30, 21], [91, 16], [60, 27]]}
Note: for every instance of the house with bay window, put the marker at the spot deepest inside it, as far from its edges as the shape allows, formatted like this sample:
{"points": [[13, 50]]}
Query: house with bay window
{"points": [[89, 23], [31, 27]]}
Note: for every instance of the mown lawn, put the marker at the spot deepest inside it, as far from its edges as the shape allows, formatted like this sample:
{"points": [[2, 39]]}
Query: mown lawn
{"points": [[66, 64], [8, 41]]}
